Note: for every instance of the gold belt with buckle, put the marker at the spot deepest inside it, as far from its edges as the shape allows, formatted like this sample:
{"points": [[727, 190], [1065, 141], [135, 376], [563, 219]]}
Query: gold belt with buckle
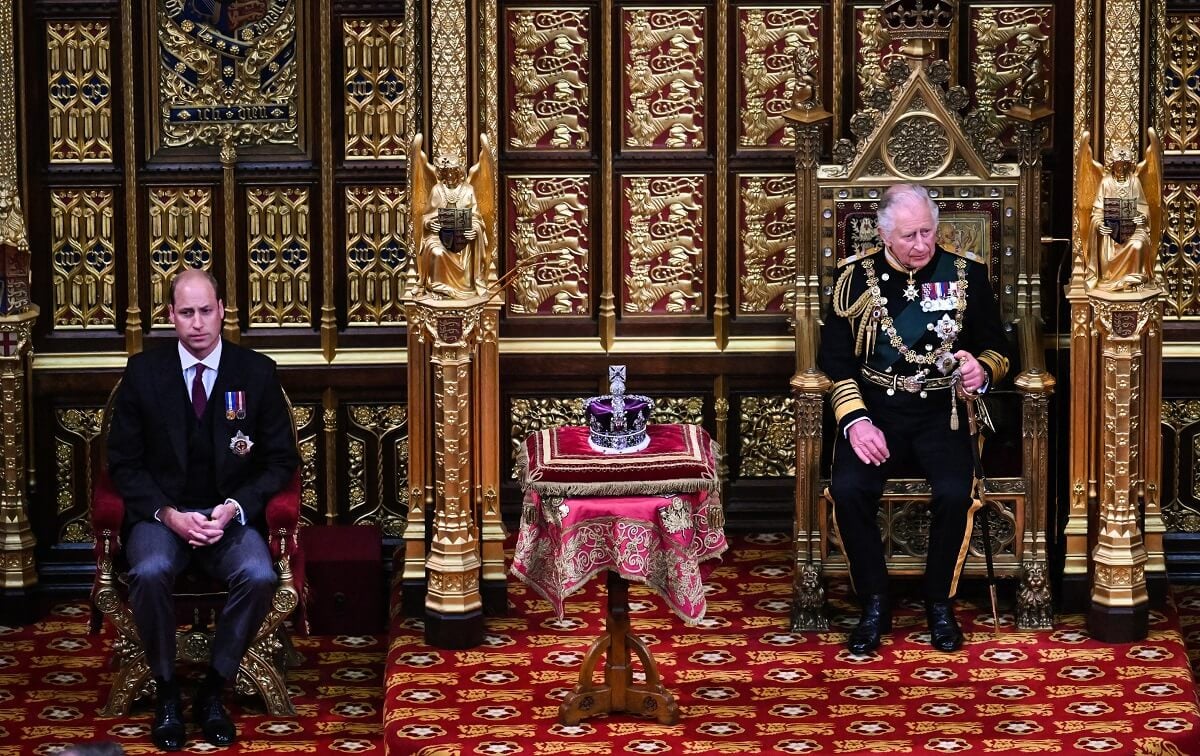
{"points": [[911, 384]]}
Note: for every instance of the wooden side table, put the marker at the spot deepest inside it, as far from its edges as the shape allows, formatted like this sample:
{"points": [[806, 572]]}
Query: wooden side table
{"points": [[618, 693], [653, 517]]}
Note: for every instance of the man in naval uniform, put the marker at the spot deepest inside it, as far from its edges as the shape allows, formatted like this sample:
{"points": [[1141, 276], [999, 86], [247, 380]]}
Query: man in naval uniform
{"points": [[905, 323], [201, 437]]}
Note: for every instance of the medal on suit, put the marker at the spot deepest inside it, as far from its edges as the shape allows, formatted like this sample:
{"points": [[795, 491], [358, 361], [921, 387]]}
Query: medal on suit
{"points": [[235, 405], [240, 444]]}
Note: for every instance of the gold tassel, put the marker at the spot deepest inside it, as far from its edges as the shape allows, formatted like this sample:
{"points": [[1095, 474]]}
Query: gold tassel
{"points": [[953, 410]]}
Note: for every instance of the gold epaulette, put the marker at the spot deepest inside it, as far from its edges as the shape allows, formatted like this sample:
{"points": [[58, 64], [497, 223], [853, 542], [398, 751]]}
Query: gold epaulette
{"points": [[846, 398], [966, 254], [860, 256]]}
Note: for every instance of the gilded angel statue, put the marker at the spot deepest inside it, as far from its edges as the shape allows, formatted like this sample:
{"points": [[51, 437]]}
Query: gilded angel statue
{"points": [[1119, 210], [450, 219]]}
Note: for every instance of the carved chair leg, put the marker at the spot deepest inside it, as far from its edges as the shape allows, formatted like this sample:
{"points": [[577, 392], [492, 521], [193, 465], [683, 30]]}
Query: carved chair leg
{"points": [[265, 677], [133, 674]]}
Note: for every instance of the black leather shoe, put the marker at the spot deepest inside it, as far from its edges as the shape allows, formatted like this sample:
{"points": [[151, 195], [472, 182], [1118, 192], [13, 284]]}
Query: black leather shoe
{"points": [[944, 633], [214, 721], [876, 619], [168, 731]]}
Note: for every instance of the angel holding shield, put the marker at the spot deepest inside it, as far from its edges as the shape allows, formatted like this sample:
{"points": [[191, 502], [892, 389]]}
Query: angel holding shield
{"points": [[1121, 222], [451, 218]]}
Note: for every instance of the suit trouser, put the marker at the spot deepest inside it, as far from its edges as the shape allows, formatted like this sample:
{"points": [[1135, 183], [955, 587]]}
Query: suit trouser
{"points": [[944, 456], [240, 560]]}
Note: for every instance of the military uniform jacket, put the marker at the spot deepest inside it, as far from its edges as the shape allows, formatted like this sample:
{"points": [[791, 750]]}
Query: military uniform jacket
{"points": [[881, 327]]}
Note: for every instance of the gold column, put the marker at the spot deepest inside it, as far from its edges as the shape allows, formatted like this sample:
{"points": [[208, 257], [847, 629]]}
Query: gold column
{"points": [[328, 276], [494, 588], [608, 300], [1120, 602], [723, 176], [133, 311], [420, 468], [809, 385], [18, 571], [453, 604], [228, 154], [1034, 610]]}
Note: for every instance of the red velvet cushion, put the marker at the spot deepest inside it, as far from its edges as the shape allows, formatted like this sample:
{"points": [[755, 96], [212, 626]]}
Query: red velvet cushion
{"points": [[561, 462]]}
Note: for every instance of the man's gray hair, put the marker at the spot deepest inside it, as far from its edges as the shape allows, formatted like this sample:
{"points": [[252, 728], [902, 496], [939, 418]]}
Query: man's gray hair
{"points": [[902, 194]]}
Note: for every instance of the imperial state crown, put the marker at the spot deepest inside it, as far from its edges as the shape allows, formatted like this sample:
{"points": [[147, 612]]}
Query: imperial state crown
{"points": [[617, 421]]}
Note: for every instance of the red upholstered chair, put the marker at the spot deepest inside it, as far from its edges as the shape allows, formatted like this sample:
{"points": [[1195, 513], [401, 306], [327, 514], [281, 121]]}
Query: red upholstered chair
{"points": [[264, 666]]}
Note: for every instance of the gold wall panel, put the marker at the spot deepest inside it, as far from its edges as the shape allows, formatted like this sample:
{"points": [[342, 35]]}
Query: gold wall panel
{"points": [[548, 220], [767, 429], [227, 70], [663, 78], [376, 254], [663, 239], [768, 39], [308, 440], [873, 51], [75, 431], [767, 252], [530, 415], [1009, 47], [377, 465], [1181, 99], [83, 264], [181, 237], [1178, 263], [79, 74], [678, 409], [279, 256], [1181, 465], [548, 89], [376, 84]]}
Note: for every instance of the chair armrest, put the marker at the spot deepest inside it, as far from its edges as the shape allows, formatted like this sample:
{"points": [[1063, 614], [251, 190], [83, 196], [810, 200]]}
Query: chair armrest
{"points": [[283, 509], [108, 514]]}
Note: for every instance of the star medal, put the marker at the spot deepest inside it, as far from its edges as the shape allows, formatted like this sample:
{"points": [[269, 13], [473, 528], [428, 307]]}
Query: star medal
{"points": [[240, 444], [235, 405], [946, 328], [911, 293]]}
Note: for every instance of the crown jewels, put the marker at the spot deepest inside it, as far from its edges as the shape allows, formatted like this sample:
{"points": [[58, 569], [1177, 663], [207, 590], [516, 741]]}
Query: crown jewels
{"points": [[617, 421]]}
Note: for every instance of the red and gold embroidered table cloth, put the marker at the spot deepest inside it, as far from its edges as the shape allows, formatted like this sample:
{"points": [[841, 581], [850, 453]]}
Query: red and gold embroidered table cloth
{"points": [[660, 524]]}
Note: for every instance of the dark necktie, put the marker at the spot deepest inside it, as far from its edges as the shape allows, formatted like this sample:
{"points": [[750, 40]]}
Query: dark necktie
{"points": [[199, 398]]}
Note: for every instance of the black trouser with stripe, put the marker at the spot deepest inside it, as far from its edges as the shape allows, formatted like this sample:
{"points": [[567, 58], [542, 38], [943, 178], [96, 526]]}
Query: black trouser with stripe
{"points": [[918, 437]]}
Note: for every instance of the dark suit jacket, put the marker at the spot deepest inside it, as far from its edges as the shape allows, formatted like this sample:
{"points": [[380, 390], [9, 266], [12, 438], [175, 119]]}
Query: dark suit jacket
{"points": [[147, 438]]}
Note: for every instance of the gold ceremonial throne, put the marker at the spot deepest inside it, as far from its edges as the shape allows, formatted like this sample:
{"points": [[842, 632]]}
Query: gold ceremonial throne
{"points": [[912, 130]]}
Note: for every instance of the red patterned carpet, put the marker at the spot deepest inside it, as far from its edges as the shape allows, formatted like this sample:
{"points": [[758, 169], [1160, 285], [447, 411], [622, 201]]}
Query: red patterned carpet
{"points": [[745, 685]]}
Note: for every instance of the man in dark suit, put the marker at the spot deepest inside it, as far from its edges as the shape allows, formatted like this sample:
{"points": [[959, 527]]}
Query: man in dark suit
{"points": [[907, 321], [200, 439]]}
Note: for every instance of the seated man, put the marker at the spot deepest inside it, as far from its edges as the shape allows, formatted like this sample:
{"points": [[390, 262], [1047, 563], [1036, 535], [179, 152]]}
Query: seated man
{"points": [[195, 475], [903, 321]]}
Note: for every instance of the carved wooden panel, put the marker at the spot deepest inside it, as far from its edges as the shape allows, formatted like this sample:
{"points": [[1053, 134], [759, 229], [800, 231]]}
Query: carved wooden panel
{"points": [[376, 439], [181, 236], [664, 241], [308, 441], [79, 69], [82, 257], [1181, 98], [548, 90], [376, 253], [1010, 47], [549, 233], [767, 252], [1177, 255], [766, 45], [663, 69], [1181, 465], [767, 430], [376, 81], [76, 456], [279, 256]]}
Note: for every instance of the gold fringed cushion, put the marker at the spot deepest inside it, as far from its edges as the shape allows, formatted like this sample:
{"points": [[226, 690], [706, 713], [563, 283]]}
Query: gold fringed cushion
{"points": [[560, 462]]}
